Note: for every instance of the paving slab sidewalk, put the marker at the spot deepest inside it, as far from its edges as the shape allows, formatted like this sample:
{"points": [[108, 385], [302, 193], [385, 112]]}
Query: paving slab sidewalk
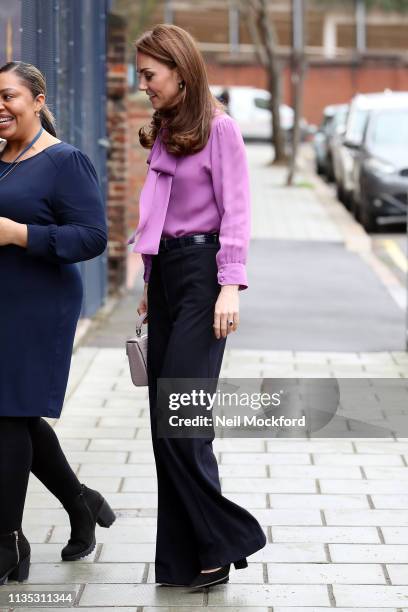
{"points": [[335, 509]]}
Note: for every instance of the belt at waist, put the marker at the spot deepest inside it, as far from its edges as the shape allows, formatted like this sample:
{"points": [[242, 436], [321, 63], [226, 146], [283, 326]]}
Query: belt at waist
{"points": [[176, 243]]}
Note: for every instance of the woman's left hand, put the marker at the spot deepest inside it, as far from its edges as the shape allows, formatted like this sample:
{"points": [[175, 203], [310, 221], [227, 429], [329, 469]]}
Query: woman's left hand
{"points": [[226, 309], [12, 232]]}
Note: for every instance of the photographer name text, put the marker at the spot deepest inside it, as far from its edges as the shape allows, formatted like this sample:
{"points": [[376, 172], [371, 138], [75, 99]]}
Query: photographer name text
{"points": [[236, 421]]}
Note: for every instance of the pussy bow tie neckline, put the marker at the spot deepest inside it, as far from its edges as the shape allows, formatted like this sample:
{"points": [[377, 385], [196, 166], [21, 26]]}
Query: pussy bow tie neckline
{"points": [[154, 199], [160, 160]]}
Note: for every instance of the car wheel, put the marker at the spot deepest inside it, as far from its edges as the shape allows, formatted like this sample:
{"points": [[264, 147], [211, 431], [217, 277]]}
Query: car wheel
{"points": [[347, 199], [330, 171], [355, 208], [368, 218], [339, 192], [319, 168]]}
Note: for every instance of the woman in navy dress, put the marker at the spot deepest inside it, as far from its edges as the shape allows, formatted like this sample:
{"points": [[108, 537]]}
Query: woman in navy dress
{"points": [[51, 216]]}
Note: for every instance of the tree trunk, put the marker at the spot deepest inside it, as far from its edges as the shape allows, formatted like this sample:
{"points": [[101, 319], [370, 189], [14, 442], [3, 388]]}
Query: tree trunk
{"points": [[298, 73], [267, 36]]}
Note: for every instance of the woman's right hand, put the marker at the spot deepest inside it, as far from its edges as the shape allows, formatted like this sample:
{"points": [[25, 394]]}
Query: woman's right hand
{"points": [[142, 308]]}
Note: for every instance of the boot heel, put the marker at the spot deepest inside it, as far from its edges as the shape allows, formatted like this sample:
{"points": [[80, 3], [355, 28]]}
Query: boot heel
{"points": [[241, 563], [106, 516], [22, 570]]}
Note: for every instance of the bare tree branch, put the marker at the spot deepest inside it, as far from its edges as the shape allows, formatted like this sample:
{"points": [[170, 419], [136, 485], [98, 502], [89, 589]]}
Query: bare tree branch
{"points": [[253, 31]]}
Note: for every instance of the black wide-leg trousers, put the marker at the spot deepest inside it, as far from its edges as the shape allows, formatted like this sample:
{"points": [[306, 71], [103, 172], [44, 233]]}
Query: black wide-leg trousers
{"points": [[197, 527]]}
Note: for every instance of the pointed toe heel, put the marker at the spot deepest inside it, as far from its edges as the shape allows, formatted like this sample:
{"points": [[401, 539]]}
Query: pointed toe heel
{"points": [[241, 563], [209, 579], [21, 572], [106, 516]]}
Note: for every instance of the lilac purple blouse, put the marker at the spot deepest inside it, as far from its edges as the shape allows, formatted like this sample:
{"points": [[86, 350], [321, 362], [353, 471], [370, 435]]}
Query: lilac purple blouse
{"points": [[202, 192]]}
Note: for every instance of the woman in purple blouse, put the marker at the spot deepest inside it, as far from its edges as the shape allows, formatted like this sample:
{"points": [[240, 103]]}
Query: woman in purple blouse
{"points": [[193, 235]]}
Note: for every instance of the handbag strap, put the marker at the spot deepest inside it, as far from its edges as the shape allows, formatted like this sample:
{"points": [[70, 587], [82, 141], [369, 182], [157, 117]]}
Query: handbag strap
{"points": [[139, 323]]}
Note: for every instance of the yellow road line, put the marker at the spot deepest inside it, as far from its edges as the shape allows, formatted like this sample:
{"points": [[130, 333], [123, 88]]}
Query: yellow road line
{"points": [[396, 254]]}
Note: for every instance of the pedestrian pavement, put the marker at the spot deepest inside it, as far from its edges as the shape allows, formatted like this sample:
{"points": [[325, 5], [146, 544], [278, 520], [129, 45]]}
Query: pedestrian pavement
{"points": [[334, 509]]}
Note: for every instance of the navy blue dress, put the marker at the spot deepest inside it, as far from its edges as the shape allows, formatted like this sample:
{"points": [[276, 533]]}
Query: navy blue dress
{"points": [[57, 194]]}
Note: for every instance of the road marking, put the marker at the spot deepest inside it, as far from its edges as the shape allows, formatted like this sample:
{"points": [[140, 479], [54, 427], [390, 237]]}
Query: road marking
{"points": [[396, 253]]}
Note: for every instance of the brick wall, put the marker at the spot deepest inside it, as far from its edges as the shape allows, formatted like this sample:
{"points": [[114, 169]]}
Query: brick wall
{"points": [[338, 83], [139, 113], [126, 114], [325, 83], [118, 152]]}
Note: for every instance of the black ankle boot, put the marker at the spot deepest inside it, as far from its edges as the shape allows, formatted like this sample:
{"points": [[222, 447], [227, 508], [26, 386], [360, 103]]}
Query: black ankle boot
{"points": [[87, 509], [14, 557]]}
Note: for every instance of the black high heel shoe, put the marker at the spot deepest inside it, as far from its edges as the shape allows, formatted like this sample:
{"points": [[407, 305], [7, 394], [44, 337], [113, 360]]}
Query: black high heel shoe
{"points": [[14, 557], [87, 509], [220, 576]]}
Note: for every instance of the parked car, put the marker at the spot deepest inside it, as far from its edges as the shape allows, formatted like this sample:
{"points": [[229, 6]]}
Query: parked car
{"points": [[360, 108], [381, 168], [250, 107], [337, 131], [323, 136]]}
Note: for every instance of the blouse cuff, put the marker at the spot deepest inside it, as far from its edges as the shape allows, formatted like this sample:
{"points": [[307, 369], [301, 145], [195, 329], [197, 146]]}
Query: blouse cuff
{"points": [[233, 274], [38, 239], [147, 260]]}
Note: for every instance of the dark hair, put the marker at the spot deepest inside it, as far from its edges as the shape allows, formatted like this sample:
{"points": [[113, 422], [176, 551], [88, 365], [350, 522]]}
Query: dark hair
{"points": [[35, 81], [188, 119]]}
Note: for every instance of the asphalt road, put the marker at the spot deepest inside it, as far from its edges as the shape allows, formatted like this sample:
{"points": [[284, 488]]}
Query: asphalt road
{"points": [[301, 296], [316, 297]]}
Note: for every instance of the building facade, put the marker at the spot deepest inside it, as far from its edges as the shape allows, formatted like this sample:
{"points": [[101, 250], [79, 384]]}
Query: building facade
{"points": [[349, 48]]}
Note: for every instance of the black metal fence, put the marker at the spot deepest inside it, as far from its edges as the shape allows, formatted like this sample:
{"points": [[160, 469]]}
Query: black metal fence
{"points": [[66, 39]]}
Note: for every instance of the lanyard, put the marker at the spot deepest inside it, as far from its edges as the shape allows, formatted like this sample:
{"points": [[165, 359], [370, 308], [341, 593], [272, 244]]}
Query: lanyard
{"points": [[34, 140]]}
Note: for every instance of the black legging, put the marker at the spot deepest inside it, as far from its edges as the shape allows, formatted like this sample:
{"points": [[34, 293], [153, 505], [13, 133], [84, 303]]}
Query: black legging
{"points": [[30, 444]]}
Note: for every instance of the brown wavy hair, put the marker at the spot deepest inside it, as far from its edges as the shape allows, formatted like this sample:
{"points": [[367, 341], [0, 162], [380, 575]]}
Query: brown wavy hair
{"points": [[188, 119]]}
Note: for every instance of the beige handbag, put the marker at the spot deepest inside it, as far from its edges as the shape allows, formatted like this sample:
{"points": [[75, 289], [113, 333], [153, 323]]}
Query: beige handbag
{"points": [[136, 350]]}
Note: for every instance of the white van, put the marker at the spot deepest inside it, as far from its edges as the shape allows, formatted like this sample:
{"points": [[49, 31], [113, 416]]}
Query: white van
{"points": [[250, 107]]}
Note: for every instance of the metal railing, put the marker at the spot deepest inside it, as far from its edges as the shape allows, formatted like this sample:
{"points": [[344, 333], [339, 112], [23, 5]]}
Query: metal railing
{"points": [[66, 39]]}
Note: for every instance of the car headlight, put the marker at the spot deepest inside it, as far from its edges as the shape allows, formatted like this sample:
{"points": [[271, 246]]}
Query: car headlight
{"points": [[380, 167]]}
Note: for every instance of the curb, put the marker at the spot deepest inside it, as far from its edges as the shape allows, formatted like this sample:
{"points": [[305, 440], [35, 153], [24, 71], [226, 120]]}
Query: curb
{"points": [[87, 325]]}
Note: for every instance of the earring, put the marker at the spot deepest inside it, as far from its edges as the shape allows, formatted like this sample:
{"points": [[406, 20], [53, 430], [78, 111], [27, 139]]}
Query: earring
{"points": [[181, 85]]}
